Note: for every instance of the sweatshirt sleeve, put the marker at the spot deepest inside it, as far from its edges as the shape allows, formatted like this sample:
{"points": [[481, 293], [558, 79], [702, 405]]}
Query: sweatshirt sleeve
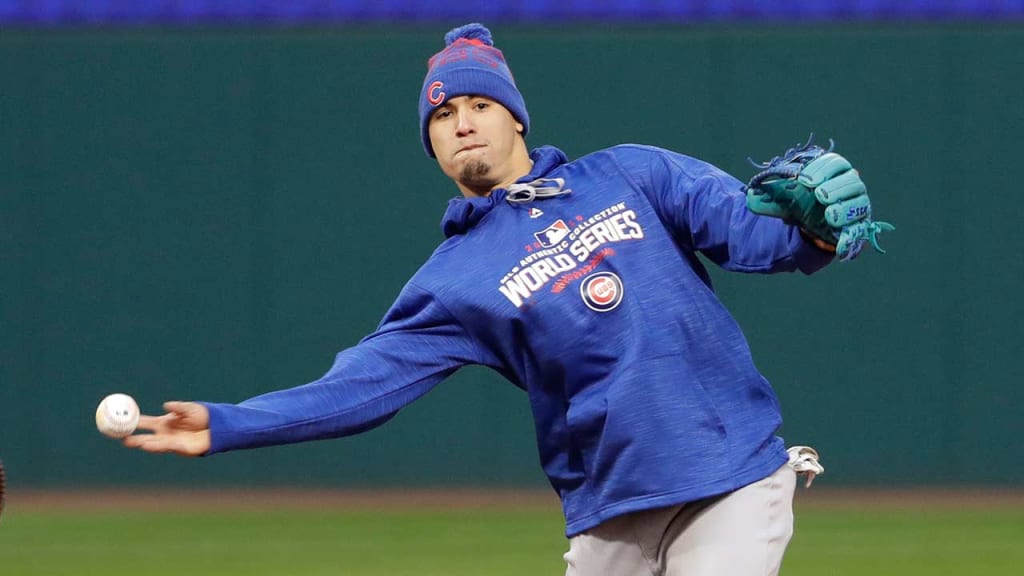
{"points": [[707, 211], [417, 344]]}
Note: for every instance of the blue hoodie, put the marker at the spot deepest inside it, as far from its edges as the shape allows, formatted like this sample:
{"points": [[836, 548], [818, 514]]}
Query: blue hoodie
{"points": [[581, 285]]}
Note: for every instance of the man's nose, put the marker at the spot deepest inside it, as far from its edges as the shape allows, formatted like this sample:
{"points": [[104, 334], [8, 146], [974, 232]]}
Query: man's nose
{"points": [[465, 125]]}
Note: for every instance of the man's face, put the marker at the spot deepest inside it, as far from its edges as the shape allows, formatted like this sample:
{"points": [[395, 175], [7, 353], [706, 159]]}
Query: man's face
{"points": [[478, 143]]}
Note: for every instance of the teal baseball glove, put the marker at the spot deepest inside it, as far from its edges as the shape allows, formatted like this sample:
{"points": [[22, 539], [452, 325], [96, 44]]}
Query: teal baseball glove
{"points": [[819, 191]]}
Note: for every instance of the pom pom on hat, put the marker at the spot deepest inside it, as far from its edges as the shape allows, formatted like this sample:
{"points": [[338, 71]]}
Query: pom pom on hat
{"points": [[469, 65], [474, 31]]}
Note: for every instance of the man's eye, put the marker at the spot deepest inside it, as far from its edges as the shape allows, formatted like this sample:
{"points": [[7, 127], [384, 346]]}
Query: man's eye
{"points": [[443, 114], [482, 105]]}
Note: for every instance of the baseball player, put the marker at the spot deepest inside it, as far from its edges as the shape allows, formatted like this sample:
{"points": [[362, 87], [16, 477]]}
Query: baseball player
{"points": [[579, 282]]}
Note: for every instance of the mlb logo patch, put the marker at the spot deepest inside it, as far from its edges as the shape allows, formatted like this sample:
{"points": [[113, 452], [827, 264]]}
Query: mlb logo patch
{"points": [[553, 234]]}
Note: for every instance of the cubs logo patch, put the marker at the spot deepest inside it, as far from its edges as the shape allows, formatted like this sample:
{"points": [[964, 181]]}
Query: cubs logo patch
{"points": [[434, 94], [553, 234], [601, 292]]}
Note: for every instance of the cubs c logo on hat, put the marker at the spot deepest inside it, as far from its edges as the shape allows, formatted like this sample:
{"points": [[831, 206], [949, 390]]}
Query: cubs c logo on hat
{"points": [[601, 292], [434, 93]]}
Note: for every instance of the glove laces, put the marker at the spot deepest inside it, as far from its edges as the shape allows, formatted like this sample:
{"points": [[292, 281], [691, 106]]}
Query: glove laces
{"points": [[789, 164]]}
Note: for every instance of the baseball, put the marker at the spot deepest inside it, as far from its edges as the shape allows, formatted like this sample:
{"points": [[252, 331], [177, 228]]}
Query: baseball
{"points": [[117, 415]]}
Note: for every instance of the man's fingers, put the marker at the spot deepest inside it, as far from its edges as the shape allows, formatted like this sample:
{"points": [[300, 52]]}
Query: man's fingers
{"points": [[183, 430], [192, 414], [179, 416], [177, 406], [148, 442], [174, 421], [184, 443], [153, 423]]}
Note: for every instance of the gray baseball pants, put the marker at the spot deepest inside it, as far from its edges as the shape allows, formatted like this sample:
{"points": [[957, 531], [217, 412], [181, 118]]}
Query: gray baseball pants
{"points": [[742, 533]]}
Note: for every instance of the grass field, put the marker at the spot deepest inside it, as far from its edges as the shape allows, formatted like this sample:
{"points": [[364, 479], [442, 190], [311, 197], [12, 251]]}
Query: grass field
{"points": [[505, 538]]}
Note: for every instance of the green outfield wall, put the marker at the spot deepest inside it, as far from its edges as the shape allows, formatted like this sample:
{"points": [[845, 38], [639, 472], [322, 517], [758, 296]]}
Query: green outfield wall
{"points": [[210, 214]]}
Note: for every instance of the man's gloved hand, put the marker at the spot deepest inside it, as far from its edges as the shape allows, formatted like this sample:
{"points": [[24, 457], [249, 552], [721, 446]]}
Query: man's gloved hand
{"points": [[819, 191]]}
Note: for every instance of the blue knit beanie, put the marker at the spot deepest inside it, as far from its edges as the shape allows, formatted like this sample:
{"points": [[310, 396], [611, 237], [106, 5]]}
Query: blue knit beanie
{"points": [[469, 65]]}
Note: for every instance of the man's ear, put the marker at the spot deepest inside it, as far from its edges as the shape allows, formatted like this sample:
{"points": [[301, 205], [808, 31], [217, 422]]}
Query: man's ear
{"points": [[519, 127]]}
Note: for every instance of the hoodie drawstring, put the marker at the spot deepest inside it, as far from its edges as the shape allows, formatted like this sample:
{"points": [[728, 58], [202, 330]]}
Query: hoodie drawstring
{"points": [[528, 192]]}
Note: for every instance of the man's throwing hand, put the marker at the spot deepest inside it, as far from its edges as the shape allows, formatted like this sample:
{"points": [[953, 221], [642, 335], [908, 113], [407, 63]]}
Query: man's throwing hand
{"points": [[184, 429]]}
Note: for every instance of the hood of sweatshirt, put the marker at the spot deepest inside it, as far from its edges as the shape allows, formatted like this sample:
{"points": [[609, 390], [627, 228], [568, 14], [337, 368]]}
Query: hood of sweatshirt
{"points": [[463, 213]]}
